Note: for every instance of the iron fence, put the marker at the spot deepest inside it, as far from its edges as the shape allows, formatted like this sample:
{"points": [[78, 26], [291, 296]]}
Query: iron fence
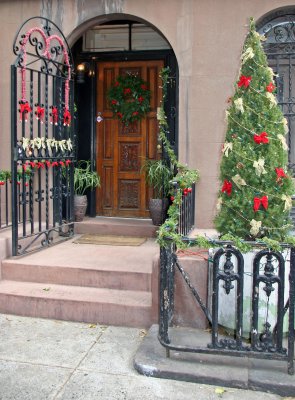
{"points": [[42, 137], [5, 202], [266, 281], [187, 212]]}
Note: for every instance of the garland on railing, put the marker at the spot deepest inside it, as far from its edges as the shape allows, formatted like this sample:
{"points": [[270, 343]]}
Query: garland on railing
{"points": [[183, 180], [46, 143]]}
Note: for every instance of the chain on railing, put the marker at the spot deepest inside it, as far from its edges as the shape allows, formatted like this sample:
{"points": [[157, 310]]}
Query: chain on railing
{"points": [[264, 284]]}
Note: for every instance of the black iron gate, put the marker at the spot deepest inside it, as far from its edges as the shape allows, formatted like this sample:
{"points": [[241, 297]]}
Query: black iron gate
{"points": [[42, 137]]}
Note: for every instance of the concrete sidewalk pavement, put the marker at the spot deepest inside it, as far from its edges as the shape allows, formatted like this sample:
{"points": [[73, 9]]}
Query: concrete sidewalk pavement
{"points": [[48, 359]]}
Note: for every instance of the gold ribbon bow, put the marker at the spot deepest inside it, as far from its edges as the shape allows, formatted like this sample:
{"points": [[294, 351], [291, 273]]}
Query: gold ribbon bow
{"points": [[226, 147], [239, 104], [247, 55], [255, 227], [259, 167], [288, 202], [238, 181], [283, 141]]}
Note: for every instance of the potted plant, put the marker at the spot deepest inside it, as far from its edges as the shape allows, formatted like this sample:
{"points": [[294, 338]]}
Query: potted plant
{"points": [[158, 176], [84, 178]]}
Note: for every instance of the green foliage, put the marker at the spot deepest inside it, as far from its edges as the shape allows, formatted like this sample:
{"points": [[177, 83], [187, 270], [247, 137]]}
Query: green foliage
{"points": [[84, 178], [4, 174], [254, 111], [129, 98], [184, 178], [158, 175]]}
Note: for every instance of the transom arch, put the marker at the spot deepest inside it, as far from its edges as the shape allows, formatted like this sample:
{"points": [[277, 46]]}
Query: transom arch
{"points": [[278, 26]]}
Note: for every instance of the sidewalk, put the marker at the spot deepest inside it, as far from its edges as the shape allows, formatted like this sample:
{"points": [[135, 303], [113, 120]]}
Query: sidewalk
{"points": [[47, 359]]}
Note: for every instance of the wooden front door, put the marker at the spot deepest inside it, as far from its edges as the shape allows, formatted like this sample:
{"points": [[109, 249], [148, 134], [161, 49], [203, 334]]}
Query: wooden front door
{"points": [[121, 150]]}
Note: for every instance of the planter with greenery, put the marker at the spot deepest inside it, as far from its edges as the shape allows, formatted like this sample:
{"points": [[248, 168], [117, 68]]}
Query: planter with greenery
{"points": [[158, 176], [84, 179]]}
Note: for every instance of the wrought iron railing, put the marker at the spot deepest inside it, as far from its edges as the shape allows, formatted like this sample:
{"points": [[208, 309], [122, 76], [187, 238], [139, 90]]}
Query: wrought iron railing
{"points": [[267, 281], [187, 212], [5, 203]]}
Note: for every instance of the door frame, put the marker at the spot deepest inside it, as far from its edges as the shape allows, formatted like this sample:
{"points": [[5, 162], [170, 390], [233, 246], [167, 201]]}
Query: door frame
{"points": [[86, 127]]}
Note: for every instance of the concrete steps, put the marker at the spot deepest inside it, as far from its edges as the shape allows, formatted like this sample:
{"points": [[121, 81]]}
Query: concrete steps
{"points": [[103, 284], [76, 303], [117, 226]]}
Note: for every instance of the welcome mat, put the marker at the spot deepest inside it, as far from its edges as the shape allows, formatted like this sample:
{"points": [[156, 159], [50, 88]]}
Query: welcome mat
{"points": [[110, 240]]}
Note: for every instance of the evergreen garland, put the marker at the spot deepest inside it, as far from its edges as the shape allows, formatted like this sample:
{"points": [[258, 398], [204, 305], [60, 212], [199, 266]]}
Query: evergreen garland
{"points": [[129, 98]]}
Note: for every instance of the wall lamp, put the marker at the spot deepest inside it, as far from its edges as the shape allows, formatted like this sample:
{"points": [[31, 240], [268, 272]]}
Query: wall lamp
{"points": [[83, 69]]}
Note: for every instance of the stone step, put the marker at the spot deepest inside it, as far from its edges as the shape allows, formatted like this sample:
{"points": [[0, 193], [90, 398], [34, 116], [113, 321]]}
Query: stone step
{"points": [[73, 303], [112, 267], [117, 226]]}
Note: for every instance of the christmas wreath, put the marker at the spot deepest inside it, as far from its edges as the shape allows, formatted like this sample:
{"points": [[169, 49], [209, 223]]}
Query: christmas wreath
{"points": [[129, 98]]}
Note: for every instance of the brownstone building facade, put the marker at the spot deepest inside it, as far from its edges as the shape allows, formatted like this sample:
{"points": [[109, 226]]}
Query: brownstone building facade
{"points": [[200, 39]]}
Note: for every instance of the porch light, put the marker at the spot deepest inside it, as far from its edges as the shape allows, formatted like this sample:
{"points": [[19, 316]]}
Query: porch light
{"points": [[83, 69], [81, 73]]}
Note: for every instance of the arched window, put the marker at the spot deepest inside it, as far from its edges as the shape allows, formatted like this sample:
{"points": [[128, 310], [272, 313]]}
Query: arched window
{"points": [[279, 29]]}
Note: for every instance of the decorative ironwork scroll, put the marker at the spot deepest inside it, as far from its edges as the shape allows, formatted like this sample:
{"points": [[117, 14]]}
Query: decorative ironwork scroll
{"points": [[42, 137], [266, 277]]}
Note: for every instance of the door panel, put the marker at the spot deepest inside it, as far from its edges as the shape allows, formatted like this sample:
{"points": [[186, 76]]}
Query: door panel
{"points": [[121, 150]]}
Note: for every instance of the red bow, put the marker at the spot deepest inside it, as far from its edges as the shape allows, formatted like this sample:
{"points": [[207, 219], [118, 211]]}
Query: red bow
{"points": [[48, 163], [280, 174], [54, 164], [40, 165], [67, 117], [270, 87], [262, 138], [40, 113], [244, 81], [227, 187], [68, 162], [260, 201], [24, 109], [2, 183], [54, 115]]}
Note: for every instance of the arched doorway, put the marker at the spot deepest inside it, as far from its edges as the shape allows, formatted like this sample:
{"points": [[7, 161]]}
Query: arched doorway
{"points": [[114, 48], [278, 27]]}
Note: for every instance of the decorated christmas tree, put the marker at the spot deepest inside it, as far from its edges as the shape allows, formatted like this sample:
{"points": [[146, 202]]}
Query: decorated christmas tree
{"points": [[256, 187]]}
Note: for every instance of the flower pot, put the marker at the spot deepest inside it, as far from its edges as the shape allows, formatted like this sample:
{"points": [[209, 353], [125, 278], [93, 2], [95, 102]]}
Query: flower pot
{"points": [[80, 206], [158, 210]]}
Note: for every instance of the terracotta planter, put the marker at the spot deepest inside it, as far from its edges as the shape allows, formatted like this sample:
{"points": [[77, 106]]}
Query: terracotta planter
{"points": [[80, 206], [158, 210]]}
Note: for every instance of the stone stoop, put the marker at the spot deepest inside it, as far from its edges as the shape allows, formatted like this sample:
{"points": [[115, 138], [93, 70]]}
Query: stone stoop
{"points": [[117, 226], [113, 285]]}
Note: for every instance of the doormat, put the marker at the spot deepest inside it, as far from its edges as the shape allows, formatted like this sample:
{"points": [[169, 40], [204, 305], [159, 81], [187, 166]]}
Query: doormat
{"points": [[110, 240]]}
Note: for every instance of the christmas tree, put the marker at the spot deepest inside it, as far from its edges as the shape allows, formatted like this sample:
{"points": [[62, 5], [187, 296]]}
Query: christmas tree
{"points": [[256, 187]]}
